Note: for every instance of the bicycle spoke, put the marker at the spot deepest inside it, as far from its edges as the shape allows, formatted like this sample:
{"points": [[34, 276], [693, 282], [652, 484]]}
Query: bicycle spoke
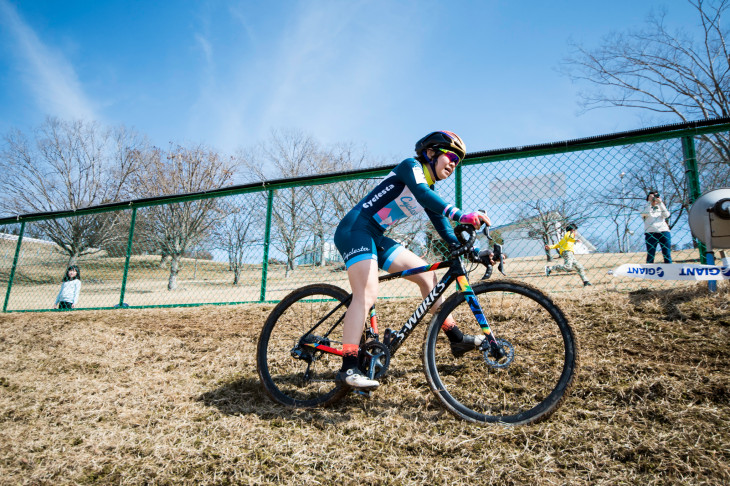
{"points": [[531, 385], [295, 374]]}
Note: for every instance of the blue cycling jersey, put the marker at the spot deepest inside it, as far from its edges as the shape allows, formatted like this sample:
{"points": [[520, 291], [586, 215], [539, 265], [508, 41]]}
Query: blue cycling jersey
{"points": [[407, 190], [404, 192]]}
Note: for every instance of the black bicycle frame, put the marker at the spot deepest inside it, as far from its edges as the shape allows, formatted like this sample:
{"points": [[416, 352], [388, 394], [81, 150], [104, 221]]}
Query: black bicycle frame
{"points": [[456, 273]]}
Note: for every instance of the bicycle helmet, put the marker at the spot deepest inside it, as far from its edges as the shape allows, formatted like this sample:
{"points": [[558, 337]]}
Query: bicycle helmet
{"points": [[442, 139]]}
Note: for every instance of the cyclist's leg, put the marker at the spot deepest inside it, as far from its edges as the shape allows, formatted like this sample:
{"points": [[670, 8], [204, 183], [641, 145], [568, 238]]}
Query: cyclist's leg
{"points": [[363, 277], [357, 246], [393, 257], [396, 258]]}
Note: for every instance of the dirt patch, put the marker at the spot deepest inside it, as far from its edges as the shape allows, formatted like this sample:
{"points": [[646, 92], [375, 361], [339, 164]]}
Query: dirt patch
{"points": [[172, 396]]}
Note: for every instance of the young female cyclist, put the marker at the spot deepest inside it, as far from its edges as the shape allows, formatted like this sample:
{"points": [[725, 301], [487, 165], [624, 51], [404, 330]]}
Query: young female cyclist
{"points": [[408, 189]]}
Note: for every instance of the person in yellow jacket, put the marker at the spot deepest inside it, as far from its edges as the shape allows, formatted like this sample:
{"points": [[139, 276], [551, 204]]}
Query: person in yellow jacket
{"points": [[566, 248]]}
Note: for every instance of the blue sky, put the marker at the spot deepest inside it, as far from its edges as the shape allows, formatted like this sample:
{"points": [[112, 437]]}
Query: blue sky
{"points": [[373, 72]]}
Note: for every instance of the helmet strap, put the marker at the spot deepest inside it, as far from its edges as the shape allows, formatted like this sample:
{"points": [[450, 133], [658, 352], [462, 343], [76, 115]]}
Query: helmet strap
{"points": [[429, 173], [431, 167]]}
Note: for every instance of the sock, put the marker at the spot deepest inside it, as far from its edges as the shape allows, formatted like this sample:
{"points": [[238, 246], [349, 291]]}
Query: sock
{"points": [[452, 330], [349, 356]]}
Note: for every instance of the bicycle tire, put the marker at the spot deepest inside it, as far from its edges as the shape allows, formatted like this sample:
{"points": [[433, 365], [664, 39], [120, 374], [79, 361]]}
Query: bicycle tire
{"points": [[282, 375], [529, 388]]}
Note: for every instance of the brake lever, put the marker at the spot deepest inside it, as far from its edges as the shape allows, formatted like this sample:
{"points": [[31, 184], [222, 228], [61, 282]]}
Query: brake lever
{"points": [[496, 255], [499, 256], [485, 257]]}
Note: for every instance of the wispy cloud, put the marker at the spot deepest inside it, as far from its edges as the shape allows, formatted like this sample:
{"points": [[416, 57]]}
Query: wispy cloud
{"points": [[205, 46], [324, 69], [51, 79]]}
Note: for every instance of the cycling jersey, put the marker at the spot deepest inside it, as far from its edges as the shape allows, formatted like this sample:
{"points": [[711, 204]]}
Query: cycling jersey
{"points": [[405, 191]]}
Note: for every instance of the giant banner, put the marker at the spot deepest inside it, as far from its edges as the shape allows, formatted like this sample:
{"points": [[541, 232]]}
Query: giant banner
{"points": [[673, 271]]}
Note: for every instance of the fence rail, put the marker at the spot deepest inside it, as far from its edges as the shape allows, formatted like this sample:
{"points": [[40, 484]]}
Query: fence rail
{"points": [[256, 242]]}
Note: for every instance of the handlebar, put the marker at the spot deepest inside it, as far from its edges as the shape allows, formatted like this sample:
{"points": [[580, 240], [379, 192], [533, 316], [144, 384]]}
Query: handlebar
{"points": [[485, 257], [466, 243]]}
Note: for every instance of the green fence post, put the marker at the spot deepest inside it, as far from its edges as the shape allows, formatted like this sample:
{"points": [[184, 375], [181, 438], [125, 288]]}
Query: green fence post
{"points": [[129, 255], [267, 241], [457, 188], [15, 264], [692, 176]]}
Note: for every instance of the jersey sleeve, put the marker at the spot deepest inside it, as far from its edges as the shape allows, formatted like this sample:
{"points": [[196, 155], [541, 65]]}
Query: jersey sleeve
{"points": [[443, 228], [560, 244], [411, 173]]}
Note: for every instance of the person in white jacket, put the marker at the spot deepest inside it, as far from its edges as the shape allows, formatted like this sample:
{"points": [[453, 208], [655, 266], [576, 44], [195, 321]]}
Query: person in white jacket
{"points": [[656, 229], [68, 297]]}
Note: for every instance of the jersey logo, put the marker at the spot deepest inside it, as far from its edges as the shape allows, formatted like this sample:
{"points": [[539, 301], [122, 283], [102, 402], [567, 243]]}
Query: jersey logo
{"points": [[377, 196], [419, 176]]}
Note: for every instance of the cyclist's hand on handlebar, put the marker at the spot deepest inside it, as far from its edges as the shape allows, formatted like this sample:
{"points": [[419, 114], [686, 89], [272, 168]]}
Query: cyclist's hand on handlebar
{"points": [[486, 257], [473, 255], [475, 219]]}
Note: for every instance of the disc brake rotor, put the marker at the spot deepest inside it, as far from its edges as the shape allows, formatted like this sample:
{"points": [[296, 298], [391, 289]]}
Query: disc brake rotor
{"points": [[506, 359]]}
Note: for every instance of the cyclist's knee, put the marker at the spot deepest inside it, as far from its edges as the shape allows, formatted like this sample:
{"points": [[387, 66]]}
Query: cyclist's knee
{"points": [[366, 296]]}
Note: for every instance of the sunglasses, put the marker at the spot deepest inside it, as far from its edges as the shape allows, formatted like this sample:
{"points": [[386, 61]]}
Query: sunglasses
{"points": [[451, 155]]}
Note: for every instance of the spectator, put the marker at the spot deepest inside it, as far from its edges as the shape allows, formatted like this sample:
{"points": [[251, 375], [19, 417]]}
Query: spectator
{"points": [[656, 229], [68, 297], [566, 248]]}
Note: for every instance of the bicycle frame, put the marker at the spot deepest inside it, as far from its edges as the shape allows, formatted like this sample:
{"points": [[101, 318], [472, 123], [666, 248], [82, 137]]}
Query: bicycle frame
{"points": [[456, 273]]}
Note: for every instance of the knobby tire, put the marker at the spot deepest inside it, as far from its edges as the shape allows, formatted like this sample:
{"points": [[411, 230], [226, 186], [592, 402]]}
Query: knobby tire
{"points": [[527, 390], [282, 375]]}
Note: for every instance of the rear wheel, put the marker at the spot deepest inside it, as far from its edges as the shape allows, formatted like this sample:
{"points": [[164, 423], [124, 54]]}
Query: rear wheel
{"points": [[292, 370], [527, 384]]}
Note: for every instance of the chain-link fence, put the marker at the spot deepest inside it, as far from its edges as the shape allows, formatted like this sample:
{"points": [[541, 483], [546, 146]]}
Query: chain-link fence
{"points": [[256, 243]]}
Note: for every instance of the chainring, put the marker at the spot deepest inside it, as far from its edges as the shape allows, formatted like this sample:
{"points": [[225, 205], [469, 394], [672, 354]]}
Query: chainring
{"points": [[374, 359]]}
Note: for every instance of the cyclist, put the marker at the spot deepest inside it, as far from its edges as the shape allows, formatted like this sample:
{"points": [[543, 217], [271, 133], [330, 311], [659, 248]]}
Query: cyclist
{"points": [[407, 190]]}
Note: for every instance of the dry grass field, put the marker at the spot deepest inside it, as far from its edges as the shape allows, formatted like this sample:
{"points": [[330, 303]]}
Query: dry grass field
{"points": [[171, 396]]}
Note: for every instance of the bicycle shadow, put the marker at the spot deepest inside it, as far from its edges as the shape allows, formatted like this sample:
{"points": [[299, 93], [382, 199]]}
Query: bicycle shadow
{"points": [[246, 396]]}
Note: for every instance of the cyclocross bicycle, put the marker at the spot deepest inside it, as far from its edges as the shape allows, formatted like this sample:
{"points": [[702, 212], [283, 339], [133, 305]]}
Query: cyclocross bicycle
{"points": [[520, 374]]}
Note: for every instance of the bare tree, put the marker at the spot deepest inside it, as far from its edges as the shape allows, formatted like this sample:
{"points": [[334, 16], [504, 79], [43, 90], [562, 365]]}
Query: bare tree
{"points": [[661, 170], [289, 154], [235, 233], [344, 195], [661, 71], [331, 202], [665, 72], [544, 220], [669, 73], [70, 165], [174, 228]]}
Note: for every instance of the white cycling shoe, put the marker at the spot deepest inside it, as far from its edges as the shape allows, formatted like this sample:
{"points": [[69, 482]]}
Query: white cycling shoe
{"points": [[355, 379]]}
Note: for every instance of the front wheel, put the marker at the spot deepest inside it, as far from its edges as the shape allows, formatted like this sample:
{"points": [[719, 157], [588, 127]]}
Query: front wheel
{"points": [[525, 385], [292, 369]]}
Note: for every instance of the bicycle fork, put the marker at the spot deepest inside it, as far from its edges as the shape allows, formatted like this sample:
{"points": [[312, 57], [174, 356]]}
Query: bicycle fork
{"points": [[464, 287]]}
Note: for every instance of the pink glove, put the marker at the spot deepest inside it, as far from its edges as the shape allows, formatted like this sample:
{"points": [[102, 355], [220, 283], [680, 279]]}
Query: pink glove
{"points": [[474, 219]]}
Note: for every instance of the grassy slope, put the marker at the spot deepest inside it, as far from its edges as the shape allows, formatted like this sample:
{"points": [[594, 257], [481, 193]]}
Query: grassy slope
{"points": [[172, 395]]}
